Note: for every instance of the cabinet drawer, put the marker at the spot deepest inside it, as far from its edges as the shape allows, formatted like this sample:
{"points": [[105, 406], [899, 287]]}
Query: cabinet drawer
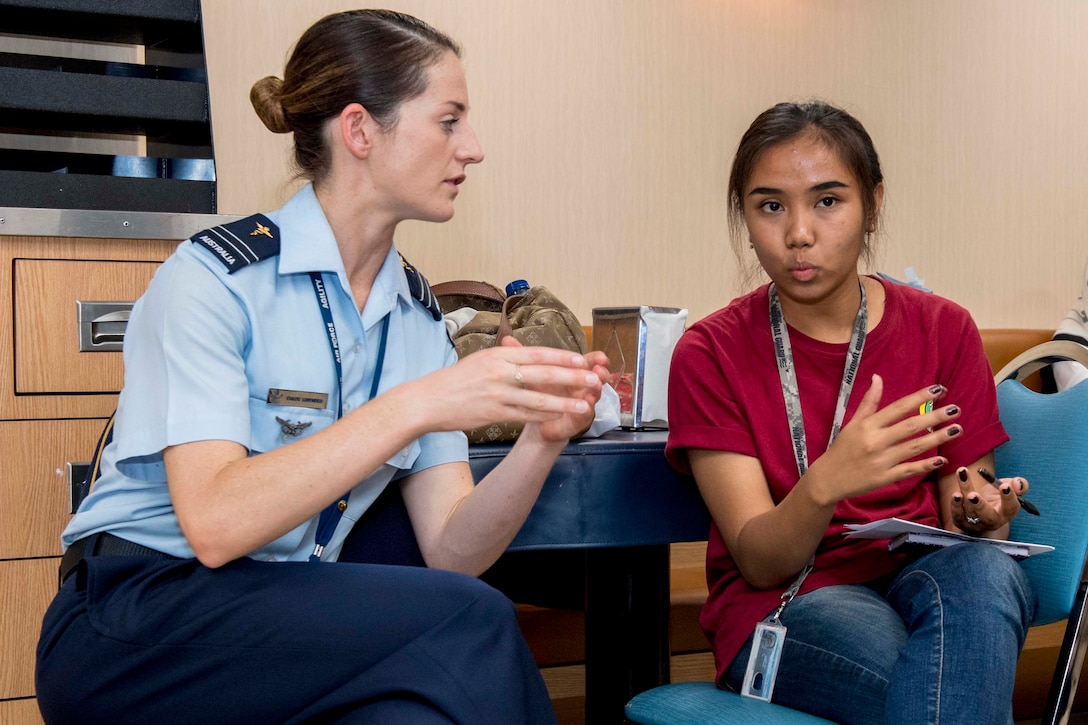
{"points": [[20, 712], [34, 493], [47, 351], [43, 276], [26, 589]]}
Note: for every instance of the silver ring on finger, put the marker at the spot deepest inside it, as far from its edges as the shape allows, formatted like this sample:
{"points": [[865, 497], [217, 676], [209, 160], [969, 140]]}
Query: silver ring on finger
{"points": [[517, 375], [973, 520]]}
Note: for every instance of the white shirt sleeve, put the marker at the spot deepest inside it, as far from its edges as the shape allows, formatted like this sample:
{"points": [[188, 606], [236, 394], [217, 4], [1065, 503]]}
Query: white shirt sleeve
{"points": [[1074, 326]]}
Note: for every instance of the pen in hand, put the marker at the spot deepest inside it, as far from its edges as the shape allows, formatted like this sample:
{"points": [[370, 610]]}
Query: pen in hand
{"points": [[1024, 503]]}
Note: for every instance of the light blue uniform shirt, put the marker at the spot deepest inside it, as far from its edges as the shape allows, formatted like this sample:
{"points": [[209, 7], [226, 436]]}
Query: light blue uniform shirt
{"points": [[203, 349]]}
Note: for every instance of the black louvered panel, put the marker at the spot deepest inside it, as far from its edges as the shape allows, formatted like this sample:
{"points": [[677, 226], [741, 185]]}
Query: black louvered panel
{"points": [[164, 100]]}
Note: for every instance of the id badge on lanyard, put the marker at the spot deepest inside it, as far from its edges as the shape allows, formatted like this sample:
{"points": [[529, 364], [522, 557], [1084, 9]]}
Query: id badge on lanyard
{"points": [[770, 634]]}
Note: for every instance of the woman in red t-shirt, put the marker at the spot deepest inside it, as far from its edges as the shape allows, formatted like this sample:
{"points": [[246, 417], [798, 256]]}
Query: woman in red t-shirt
{"points": [[787, 450]]}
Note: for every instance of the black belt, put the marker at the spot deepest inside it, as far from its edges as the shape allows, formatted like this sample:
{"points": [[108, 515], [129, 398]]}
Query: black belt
{"points": [[103, 544]]}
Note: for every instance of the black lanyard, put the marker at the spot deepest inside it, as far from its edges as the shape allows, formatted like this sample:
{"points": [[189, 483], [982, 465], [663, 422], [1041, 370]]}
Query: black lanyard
{"points": [[788, 375], [330, 517]]}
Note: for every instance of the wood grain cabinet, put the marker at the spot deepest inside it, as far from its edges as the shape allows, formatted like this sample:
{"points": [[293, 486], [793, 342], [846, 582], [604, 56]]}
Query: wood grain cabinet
{"points": [[54, 399]]}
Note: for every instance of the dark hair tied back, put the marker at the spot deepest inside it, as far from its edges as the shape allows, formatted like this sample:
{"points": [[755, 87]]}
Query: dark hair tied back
{"points": [[841, 132], [265, 97], [378, 58]]}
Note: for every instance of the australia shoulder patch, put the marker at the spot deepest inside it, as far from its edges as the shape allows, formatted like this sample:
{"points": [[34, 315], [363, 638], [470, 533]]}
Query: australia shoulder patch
{"points": [[241, 243], [420, 290]]}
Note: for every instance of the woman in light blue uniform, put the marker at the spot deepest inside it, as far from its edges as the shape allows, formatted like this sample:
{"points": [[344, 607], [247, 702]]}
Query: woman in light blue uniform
{"points": [[281, 371]]}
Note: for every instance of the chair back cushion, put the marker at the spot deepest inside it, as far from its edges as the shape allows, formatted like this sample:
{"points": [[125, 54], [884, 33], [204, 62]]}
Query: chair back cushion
{"points": [[1049, 447], [701, 703]]}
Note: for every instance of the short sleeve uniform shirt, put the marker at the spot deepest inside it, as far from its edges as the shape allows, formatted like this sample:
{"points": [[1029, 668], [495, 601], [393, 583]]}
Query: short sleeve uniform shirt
{"points": [[212, 354]]}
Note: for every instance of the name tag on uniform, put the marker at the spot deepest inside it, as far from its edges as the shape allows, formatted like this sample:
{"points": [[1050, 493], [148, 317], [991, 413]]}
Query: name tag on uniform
{"points": [[297, 398]]}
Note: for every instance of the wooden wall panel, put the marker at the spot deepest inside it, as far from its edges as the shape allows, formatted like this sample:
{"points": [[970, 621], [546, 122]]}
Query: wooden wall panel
{"points": [[34, 492], [27, 587]]}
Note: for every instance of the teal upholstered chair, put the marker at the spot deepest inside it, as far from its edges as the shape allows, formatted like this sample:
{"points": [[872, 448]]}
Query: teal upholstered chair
{"points": [[1049, 447], [702, 703]]}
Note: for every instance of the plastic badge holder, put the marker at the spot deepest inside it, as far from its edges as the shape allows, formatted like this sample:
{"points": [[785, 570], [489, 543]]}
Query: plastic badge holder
{"points": [[763, 661]]}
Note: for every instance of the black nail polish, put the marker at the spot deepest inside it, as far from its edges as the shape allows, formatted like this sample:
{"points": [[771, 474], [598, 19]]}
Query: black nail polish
{"points": [[954, 431], [1005, 490], [973, 500], [962, 473], [951, 411], [937, 389]]}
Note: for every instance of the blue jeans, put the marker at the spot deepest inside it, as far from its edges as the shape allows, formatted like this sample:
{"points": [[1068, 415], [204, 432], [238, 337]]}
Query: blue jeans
{"points": [[937, 644]]}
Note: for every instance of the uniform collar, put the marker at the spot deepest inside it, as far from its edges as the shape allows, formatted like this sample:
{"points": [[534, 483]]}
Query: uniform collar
{"points": [[308, 245], [307, 242], [390, 288]]}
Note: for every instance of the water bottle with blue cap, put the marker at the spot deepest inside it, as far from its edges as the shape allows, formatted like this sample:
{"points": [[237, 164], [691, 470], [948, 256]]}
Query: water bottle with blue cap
{"points": [[517, 287]]}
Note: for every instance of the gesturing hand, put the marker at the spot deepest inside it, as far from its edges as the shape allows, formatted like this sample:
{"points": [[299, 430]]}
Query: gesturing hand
{"points": [[882, 445]]}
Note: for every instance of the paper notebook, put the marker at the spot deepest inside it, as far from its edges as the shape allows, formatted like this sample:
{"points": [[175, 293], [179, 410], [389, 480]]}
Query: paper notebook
{"points": [[902, 532]]}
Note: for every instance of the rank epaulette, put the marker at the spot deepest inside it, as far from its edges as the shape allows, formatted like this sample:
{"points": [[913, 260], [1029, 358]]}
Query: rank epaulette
{"points": [[420, 290], [241, 243]]}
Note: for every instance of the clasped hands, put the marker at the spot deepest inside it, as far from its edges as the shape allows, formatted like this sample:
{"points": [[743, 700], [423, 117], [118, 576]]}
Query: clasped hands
{"points": [[552, 390]]}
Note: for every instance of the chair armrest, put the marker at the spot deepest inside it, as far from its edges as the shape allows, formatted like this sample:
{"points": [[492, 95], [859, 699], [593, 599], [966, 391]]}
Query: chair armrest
{"points": [[1036, 358]]}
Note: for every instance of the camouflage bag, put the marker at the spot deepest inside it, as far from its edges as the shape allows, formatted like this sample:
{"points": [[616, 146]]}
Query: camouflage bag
{"points": [[536, 317]]}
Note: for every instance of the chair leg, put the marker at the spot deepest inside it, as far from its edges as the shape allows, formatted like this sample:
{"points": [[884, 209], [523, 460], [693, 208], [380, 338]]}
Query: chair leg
{"points": [[1059, 701]]}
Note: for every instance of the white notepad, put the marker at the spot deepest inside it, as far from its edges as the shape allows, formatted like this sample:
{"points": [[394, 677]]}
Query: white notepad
{"points": [[901, 532]]}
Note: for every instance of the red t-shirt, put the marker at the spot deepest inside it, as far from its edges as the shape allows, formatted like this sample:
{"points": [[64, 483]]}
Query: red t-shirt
{"points": [[725, 394]]}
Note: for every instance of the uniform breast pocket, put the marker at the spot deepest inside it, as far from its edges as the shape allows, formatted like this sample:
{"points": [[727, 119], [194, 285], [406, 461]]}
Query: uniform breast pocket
{"points": [[276, 425]]}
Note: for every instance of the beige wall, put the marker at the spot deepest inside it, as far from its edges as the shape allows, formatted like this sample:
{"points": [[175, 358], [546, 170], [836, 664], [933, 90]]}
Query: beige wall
{"points": [[609, 126]]}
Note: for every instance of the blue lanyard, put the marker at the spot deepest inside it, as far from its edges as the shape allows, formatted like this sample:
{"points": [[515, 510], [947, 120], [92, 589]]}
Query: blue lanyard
{"points": [[330, 517]]}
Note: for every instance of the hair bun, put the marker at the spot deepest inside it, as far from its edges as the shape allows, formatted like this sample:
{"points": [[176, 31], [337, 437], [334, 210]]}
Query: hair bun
{"points": [[265, 96]]}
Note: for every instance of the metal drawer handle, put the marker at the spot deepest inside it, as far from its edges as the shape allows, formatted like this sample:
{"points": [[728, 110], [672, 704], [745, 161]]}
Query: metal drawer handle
{"points": [[102, 325], [76, 473]]}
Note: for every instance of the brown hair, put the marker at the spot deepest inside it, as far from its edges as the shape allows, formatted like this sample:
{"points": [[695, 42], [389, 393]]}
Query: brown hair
{"points": [[841, 132], [378, 58]]}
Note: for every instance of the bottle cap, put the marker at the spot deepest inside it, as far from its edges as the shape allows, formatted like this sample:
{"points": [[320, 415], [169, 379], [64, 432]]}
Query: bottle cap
{"points": [[517, 287]]}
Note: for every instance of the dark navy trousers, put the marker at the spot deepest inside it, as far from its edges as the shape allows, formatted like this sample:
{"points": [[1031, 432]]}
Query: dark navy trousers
{"points": [[140, 640]]}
